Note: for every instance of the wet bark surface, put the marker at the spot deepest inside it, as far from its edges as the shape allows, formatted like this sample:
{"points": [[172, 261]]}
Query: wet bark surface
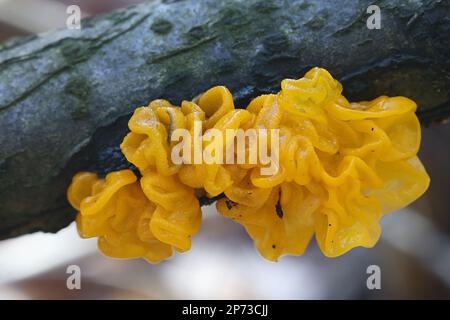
{"points": [[66, 96]]}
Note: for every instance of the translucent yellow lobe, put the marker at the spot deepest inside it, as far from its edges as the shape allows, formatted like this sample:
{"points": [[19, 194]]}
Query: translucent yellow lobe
{"points": [[342, 166]]}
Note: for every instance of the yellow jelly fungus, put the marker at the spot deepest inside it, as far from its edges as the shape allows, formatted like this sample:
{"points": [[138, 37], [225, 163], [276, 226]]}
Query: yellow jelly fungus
{"points": [[342, 166]]}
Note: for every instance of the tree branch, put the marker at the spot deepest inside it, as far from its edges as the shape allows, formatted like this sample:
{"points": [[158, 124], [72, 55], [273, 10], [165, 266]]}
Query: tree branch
{"points": [[65, 97]]}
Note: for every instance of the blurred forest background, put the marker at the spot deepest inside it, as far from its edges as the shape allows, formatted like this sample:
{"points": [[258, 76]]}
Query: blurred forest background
{"points": [[413, 253]]}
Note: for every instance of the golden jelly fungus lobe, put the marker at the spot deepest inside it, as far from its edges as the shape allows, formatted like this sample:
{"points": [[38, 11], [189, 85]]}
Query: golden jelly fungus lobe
{"points": [[126, 222], [341, 167]]}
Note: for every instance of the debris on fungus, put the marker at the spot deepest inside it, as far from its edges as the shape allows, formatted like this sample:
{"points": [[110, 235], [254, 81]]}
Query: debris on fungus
{"points": [[342, 166]]}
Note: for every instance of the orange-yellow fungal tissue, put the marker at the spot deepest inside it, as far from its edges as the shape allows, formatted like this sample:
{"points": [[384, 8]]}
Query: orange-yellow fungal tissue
{"points": [[342, 166]]}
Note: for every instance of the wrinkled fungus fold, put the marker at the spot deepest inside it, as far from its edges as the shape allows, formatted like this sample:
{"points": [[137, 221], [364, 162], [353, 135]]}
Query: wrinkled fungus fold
{"points": [[342, 166]]}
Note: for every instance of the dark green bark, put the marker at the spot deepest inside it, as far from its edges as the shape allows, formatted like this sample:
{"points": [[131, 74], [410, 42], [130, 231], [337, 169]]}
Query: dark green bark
{"points": [[65, 97]]}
